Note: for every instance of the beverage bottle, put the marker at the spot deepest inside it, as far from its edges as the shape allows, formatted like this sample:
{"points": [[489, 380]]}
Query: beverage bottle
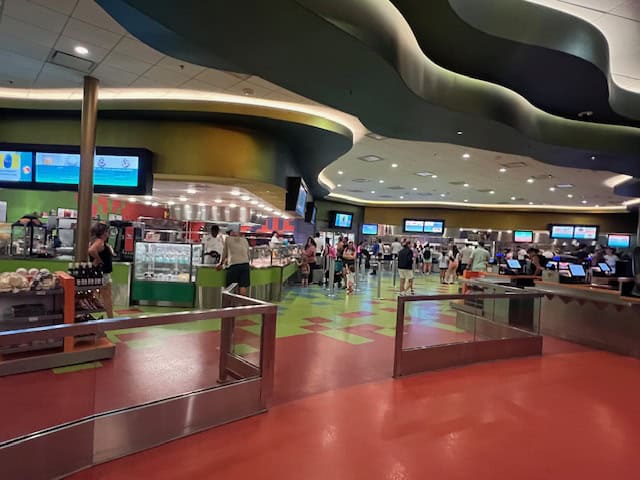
{"points": [[99, 275], [82, 275]]}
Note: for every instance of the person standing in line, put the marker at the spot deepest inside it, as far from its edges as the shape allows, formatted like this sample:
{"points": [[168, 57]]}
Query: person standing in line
{"points": [[101, 255], [235, 254], [444, 266], [465, 258], [396, 246], [376, 253], [308, 261], [349, 260], [213, 246], [452, 269], [480, 258], [426, 259], [405, 268]]}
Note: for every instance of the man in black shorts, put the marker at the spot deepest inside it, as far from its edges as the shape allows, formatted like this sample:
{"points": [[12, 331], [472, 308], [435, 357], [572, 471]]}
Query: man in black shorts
{"points": [[236, 255]]}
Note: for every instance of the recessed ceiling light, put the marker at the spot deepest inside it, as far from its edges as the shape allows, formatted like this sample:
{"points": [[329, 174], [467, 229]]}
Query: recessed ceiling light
{"points": [[465, 184], [182, 198], [133, 200], [276, 212], [466, 201], [552, 189], [597, 206], [564, 185], [191, 191], [443, 194], [570, 195], [513, 198], [235, 193], [340, 172], [148, 197], [373, 191], [424, 174], [584, 201], [114, 195], [232, 205], [171, 203], [502, 170], [491, 192], [530, 203], [466, 155], [375, 136], [154, 204], [414, 188], [147, 202], [254, 202], [394, 165], [201, 204], [268, 209], [530, 180], [261, 205], [339, 185], [401, 197], [593, 157], [246, 198], [370, 158], [459, 132], [218, 200], [80, 50], [434, 176], [380, 181]]}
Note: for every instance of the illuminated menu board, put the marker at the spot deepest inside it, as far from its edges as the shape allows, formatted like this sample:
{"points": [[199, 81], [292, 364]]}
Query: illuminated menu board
{"points": [[16, 167], [585, 232], [414, 226], [108, 170], [562, 231]]}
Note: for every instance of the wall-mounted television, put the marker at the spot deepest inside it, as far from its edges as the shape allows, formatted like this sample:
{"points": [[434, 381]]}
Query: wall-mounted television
{"points": [[370, 229], [561, 232], [296, 197], [340, 219], [415, 225], [16, 168], [617, 240], [585, 232], [57, 167], [522, 236], [310, 213]]}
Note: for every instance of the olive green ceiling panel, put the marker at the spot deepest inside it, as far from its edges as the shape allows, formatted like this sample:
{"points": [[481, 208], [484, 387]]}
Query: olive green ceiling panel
{"points": [[361, 57]]}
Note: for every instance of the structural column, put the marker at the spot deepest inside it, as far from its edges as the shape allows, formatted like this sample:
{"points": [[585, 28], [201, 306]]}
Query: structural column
{"points": [[87, 153]]}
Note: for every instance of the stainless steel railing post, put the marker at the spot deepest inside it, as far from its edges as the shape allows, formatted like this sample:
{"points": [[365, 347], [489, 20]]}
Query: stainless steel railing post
{"points": [[332, 272], [394, 269], [379, 279]]}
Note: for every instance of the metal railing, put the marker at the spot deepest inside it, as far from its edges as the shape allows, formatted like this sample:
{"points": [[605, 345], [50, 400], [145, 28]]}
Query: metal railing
{"points": [[481, 327], [243, 388]]}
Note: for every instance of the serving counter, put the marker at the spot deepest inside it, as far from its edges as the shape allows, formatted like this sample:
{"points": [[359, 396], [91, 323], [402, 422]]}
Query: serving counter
{"points": [[585, 314]]}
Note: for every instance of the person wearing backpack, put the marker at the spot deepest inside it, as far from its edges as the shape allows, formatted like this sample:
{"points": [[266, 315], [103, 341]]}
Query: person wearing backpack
{"points": [[426, 259]]}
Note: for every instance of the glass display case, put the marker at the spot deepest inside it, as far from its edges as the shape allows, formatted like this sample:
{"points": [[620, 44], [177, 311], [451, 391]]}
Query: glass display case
{"points": [[265, 256], [165, 273], [28, 240]]}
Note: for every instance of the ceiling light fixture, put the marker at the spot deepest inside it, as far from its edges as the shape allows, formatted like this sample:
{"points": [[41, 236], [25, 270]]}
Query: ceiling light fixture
{"points": [[570, 195], [147, 203], [401, 197], [246, 198], [584, 202], [513, 198], [268, 209], [254, 202], [459, 132], [502, 170], [261, 205], [154, 204], [424, 174], [564, 185], [148, 197], [218, 200], [171, 203], [232, 205], [133, 200], [465, 185], [530, 203], [201, 204], [394, 165], [434, 176], [530, 180], [593, 157], [466, 155], [80, 50], [492, 192], [182, 198], [375, 136], [370, 158], [340, 172], [191, 191], [114, 195], [443, 194], [466, 201], [380, 181], [339, 185], [414, 188], [373, 191], [552, 189], [235, 193]]}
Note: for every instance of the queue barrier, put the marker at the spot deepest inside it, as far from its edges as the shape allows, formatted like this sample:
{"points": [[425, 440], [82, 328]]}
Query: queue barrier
{"points": [[37, 440], [475, 327]]}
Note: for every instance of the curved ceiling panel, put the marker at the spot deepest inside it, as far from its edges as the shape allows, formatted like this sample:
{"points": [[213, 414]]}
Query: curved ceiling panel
{"points": [[362, 57], [556, 61]]}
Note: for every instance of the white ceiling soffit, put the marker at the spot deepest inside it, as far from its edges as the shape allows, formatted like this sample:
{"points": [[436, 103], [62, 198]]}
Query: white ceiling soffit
{"points": [[619, 22]]}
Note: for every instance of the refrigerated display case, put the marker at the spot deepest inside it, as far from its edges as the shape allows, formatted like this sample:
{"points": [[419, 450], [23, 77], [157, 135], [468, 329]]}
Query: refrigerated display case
{"points": [[28, 240], [164, 273], [265, 256]]}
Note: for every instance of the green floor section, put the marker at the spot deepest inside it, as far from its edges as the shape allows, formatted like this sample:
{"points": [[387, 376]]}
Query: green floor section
{"points": [[77, 368]]}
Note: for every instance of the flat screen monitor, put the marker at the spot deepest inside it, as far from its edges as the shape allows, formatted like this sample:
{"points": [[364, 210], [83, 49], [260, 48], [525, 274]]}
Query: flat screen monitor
{"points": [[577, 270], [296, 197], [434, 227], [16, 167], [514, 264], [310, 213], [108, 170], [618, 241], [523, 236], [604, 267], [563, 232], [370, 229], [585, 232], [341, 220], [413, 226]]}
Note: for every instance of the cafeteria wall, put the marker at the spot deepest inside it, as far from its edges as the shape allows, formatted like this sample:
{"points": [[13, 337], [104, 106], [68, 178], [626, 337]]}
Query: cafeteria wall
{"points": [[626, 222]]}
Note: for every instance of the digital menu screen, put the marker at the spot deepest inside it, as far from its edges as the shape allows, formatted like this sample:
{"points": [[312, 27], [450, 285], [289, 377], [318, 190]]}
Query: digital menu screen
{"points": [[618, 241], [343, 220], [370, 229], [301, 201], [108, 170], [577, 270], [16, 167], [433, 226], [523, 236], [562, 231], [585, 232], [414, 226]]}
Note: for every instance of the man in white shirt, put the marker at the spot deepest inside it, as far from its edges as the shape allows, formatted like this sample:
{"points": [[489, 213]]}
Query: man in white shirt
{"points": [[213, 246], [276, 240], [396, 246], [465, 258], [479, 258]]}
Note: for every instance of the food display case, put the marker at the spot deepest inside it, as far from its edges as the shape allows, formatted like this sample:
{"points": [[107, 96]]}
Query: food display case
{"points": [[164, 273], [265, 256], [28, 240]]}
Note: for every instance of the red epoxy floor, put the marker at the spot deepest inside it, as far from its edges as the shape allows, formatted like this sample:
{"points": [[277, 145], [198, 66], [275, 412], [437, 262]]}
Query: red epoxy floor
{"points": [[571, 414]]}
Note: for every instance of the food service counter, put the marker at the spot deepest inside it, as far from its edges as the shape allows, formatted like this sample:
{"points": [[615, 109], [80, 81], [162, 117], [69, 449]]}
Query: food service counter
{"points": [[121, 276], [592, 316], [266, 283]]}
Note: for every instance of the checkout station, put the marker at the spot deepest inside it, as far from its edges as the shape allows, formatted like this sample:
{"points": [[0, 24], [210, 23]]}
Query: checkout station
{"points": [[588, 300]]}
